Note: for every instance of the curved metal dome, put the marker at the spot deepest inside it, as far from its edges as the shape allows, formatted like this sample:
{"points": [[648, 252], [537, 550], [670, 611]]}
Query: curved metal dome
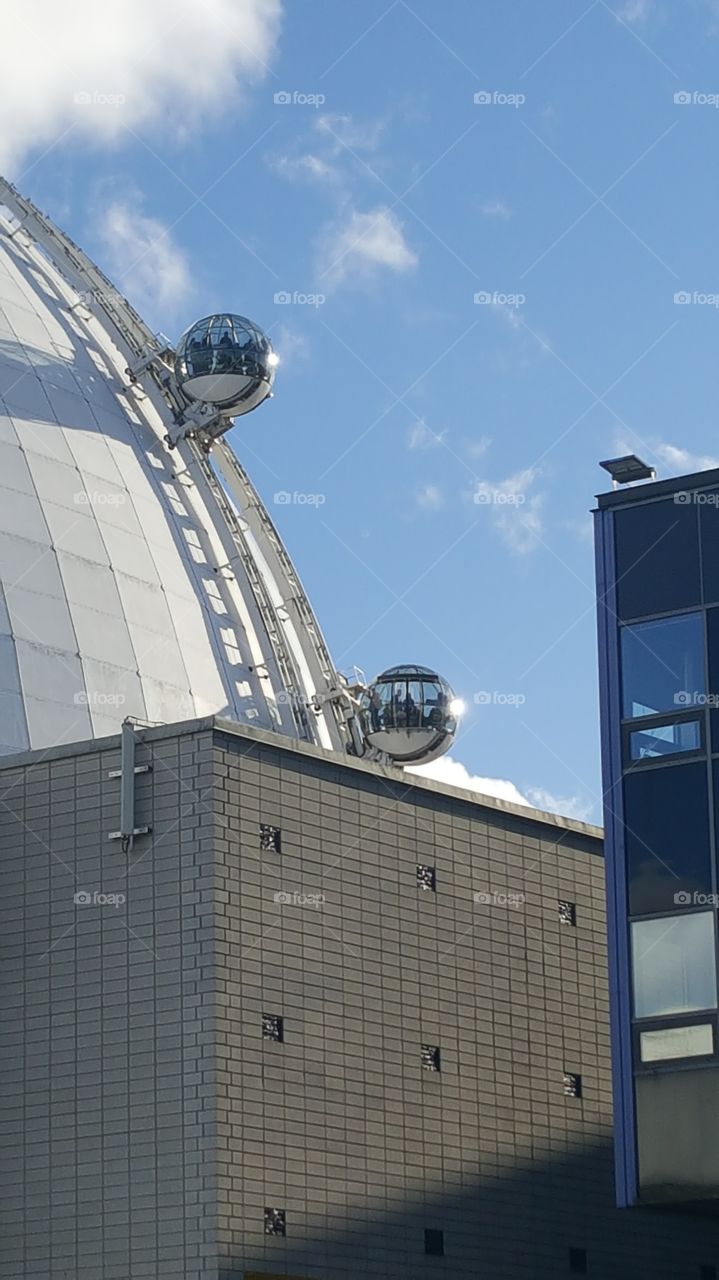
{"points": [[226, 361], [135, 582], [409, 713]]}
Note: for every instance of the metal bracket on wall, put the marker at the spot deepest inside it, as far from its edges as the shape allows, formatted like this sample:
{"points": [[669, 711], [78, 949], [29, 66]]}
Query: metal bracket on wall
{"points": [[126, 773]]}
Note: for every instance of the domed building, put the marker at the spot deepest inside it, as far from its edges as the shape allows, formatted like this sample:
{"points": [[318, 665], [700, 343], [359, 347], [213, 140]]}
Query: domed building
{"points": [[141, 577]]}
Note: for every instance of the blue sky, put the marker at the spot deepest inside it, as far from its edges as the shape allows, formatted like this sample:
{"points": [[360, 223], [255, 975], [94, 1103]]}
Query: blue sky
{"points": [[448, 447]]}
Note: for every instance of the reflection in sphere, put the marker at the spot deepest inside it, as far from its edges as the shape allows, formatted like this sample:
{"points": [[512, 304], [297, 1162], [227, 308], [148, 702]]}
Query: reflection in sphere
{"points": [[226, 361], [410, 713]]}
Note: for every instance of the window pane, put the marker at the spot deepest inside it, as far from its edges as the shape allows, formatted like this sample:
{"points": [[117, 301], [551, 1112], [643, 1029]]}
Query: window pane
{"points": [[676, 1042], [657, 558], [674, 965], [662, 665], [664, 739], [709, 527], [666, 832]]}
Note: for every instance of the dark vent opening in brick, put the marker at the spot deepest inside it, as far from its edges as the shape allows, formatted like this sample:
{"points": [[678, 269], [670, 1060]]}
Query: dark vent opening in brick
{"points": [[426, 878], [270, 838], [275, 1223], [273, 1027], [430, 1057], [578, 1262], [567, 912], [572, 1085], [434, 1242]]}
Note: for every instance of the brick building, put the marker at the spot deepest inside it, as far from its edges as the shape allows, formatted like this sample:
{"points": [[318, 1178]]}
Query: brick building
{"points": [[323, 1020]]}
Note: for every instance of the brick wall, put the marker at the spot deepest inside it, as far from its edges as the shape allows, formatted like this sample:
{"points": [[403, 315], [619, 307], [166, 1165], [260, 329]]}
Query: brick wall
{"points": [[157, 1124]]}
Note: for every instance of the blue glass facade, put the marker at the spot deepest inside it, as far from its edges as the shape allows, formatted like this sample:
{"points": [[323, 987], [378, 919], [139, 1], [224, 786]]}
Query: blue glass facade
{"points": [[658, 613]]}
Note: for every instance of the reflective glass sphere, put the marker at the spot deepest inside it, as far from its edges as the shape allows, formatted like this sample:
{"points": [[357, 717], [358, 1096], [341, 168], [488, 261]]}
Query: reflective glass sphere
{"points": [[410, 713], [226, 361]]}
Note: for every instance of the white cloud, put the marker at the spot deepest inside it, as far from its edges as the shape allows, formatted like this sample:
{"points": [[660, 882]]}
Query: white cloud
{"points": [[455, 774], [125, 63], [308, 167], [430, 498], [496, 209], [143, 259], [423, 437], [516, 513], [343, 132], [358, 247], [478, 448], [635, 10], [682, 461], [567, 806], [291, 347]]}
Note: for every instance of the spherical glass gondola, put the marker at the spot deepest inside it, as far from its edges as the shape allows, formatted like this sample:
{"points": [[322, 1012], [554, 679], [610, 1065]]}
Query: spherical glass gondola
{"points": [[410, 713], [226, 361]]}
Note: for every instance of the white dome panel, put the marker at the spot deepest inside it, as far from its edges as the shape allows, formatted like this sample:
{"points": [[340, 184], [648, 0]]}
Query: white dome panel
{"points": [[103, 637], [75, 532], [30, 564], [88, 583], [13, 725], [45, 438], [33, 616], [14, 469], [58, 483], [113, 692], [21, 517], [130, 554]]}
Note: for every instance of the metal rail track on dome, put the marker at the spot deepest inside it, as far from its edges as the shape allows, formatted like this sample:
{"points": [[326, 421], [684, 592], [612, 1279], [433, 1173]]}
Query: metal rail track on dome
{"points": [[306, 682]]}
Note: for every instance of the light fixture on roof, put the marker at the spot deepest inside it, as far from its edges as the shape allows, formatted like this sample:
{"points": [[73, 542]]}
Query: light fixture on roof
{"points": [[627, 469]]}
